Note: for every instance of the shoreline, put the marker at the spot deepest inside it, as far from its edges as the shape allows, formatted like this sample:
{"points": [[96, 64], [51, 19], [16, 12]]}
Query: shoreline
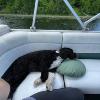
{"points": [[44, 16]]}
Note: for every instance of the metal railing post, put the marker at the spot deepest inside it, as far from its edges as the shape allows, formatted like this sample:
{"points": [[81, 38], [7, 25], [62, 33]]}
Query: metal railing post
{"points": [[83, 24], [74, 13], [34, 16]]}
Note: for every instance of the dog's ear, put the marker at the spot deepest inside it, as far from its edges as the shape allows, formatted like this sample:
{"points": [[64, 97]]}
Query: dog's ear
{"points": [[72, 55]]}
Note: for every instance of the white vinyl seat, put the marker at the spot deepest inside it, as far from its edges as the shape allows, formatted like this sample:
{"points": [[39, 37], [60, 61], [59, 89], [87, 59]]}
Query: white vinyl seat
{"points": [[19, 43], [16, 44], [86, 43], [90, 82], [27, 89], [82, 42]]}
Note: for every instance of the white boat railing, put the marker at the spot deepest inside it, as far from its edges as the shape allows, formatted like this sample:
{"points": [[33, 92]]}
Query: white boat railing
{"points": [[34, 15], [91, 19], [74, 13], [83, 24]]}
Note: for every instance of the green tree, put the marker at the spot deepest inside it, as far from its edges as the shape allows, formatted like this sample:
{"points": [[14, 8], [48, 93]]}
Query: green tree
{"points": [[82, 7], [3, 4]]}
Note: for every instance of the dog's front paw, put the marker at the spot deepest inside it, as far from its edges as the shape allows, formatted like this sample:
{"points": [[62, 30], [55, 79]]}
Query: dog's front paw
{"points": [[49, 85], [37, 82]]}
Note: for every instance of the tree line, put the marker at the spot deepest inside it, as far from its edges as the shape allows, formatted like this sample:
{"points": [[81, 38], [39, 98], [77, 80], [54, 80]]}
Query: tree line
{"points": [[52, 7]]}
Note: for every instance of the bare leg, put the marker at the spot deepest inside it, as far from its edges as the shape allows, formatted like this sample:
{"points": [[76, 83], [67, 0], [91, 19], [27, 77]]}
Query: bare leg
{"points": [[50, 81], [4, 89]]}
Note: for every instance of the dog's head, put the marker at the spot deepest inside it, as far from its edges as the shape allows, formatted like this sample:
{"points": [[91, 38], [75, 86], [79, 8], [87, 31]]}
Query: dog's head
{"points": [[65, 53]]}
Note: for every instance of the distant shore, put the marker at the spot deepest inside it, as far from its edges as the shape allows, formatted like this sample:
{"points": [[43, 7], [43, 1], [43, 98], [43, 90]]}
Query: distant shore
{"points": [[45, 16]]}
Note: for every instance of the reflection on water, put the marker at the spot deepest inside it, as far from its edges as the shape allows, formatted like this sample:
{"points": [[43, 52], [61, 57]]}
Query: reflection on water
{"points": [[94, 25], [16, 22], [47, 23], [2, 21]]}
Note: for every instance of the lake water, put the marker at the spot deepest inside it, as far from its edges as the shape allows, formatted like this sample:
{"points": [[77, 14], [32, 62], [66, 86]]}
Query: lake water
{"points": [[46, 23]]}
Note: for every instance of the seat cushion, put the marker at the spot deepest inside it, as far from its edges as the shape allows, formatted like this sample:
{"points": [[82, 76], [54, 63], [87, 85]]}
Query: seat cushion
{"points": [[19, 38], [89, 84], [91, 64], [27, 89], [18, 43], [82, 42]]}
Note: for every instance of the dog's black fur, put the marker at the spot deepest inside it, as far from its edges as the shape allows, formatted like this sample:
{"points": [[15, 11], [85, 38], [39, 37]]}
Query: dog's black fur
{"points": [[35, 61]]}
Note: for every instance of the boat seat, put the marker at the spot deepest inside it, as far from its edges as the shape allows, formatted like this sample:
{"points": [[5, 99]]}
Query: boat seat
{"points": [[16, 44], [87, 46], [90, 82], [4, 29], [19, 43], [27, 89]]}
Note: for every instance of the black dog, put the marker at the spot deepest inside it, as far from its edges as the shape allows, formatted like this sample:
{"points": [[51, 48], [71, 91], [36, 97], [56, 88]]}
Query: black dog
{"points": [[36, 61]]}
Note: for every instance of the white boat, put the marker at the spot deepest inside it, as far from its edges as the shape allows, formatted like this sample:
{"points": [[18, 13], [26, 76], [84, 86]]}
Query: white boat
{"points": [[17, 42]]}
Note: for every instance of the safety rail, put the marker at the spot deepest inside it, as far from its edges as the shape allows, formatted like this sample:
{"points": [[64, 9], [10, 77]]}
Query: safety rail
{"points": [[83, 24]]}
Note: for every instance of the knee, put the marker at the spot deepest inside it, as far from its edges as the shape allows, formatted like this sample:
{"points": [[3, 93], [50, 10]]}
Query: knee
{"points": [[4, 89]]}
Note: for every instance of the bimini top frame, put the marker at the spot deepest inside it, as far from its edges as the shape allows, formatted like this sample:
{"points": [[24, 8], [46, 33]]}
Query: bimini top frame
{"points": [[82, 24]]}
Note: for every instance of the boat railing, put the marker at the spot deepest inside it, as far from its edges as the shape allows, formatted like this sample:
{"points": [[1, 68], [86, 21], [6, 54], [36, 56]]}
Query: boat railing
{"points": [[34, 15], [74, 13], [91, 19], [82, 24]]}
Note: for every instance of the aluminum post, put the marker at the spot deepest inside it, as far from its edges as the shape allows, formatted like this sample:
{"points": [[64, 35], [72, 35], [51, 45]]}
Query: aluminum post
{"points": [[74, 13], [34, 15]]}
